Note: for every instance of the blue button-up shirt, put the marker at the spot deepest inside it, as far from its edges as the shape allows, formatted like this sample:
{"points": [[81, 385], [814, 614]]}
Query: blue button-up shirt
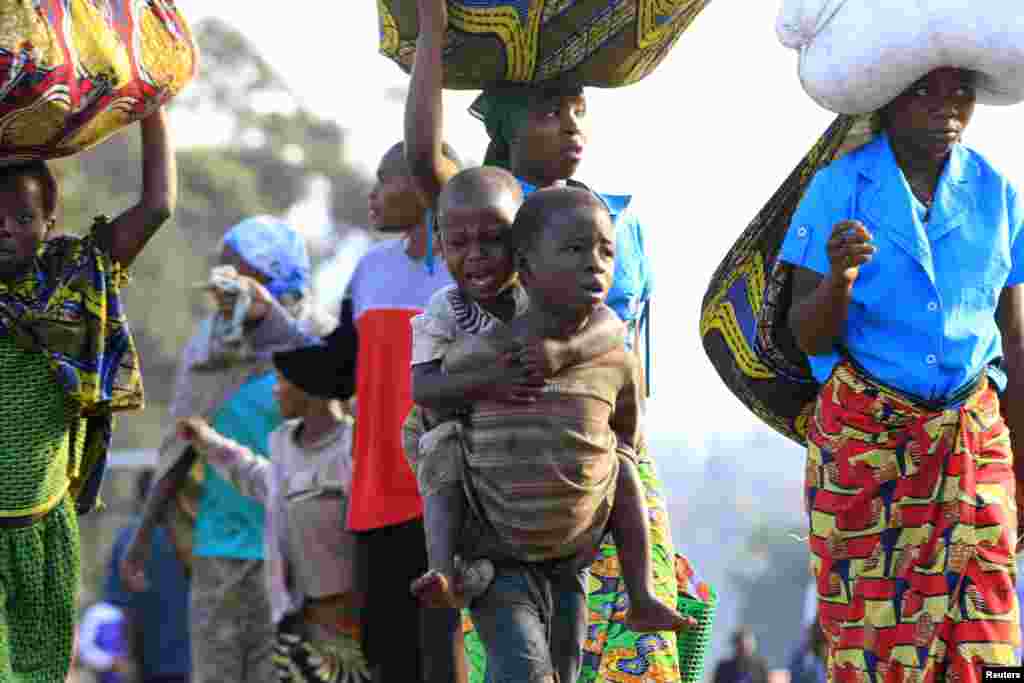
{"points": [[922, 318]]}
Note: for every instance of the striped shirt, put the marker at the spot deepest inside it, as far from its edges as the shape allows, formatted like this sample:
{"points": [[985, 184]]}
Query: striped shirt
{"points": [[541, 477]]}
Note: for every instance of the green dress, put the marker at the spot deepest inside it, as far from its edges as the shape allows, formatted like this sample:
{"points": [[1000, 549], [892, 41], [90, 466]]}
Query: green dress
{"points": [[39, 564], [67, 364]]}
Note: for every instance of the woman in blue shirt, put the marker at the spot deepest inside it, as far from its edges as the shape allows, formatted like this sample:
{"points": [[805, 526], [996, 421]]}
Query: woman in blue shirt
{"points": [[539, 134], [908, 263]]}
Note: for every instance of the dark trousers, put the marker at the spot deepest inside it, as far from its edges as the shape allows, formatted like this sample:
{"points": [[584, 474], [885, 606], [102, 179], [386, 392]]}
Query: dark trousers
{"points": [[402, 642]]}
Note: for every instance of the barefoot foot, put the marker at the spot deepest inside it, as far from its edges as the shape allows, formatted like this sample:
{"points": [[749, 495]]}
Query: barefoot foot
{"points": [[651, 616]]}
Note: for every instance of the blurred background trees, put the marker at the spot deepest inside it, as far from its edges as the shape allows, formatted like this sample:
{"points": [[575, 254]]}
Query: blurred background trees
{"points": [[273, 149]]}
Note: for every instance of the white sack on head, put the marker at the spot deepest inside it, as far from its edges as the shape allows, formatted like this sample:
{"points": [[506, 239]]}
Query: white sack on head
{"points": [[856, 56]]}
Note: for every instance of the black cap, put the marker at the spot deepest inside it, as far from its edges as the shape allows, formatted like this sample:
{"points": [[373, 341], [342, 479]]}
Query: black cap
{"points": [[328, 369]]}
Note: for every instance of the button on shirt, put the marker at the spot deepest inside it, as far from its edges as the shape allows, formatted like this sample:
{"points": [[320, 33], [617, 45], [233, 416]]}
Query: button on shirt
{"points": [[922, 313]]}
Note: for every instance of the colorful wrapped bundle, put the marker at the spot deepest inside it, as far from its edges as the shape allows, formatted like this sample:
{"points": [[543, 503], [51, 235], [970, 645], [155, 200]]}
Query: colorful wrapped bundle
{"points": [[603, 43], [743, 315], [74, 72]]}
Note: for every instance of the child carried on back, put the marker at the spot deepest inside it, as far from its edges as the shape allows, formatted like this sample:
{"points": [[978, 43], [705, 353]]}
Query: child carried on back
{"points": [[544, 464]]}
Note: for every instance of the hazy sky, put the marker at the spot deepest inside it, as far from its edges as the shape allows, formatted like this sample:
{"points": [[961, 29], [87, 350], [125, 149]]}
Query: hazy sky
{"points": [[702, 144]]}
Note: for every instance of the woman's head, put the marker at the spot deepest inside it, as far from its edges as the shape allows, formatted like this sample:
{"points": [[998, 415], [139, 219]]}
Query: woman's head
{"points": [[537, 132], [931, 115], [28, 202], [475, 211], [270, 251]]}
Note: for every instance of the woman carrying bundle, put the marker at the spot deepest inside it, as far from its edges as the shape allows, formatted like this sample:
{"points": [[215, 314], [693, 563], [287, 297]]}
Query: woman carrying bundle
{"points": [[908, 261], [67, 364]]}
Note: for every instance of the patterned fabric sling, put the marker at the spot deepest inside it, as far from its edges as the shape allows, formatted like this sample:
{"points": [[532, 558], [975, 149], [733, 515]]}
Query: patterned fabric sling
{"points": [[743, 315]]}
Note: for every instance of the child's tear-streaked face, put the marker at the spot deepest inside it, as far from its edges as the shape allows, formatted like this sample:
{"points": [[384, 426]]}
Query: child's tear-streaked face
{"points": [[473, 241]]}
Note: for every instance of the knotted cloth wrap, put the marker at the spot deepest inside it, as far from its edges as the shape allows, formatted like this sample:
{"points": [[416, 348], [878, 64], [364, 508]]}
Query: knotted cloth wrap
{"points": [[743, 323], [74, 72], [605, 43], [850, 64]]}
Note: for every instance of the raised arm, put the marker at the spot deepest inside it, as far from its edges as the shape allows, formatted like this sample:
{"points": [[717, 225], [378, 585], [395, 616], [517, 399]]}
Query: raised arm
{"points": [[424, 113], [133, 229]]}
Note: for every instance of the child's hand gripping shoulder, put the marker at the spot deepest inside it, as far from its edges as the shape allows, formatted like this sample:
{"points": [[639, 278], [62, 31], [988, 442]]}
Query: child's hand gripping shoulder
{"points": [[604, 332]]}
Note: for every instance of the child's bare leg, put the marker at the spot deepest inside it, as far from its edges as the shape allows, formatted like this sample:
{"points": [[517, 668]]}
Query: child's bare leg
{"points": [[632, 534], [445, 584]]}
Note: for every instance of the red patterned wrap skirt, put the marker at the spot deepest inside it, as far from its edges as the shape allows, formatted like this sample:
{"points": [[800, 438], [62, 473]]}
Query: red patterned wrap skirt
{"points": [[913, 533]]}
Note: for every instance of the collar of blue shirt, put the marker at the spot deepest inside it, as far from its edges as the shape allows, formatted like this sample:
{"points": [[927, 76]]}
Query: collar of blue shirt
{"points": [[888, 201]]}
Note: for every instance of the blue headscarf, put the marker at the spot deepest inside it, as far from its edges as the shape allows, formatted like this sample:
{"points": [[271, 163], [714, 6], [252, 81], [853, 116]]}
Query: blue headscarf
{"points": [[275, 249]]}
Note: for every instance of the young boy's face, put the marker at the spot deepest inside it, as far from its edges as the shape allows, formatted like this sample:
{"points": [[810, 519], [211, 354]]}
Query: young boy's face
{"points": [[571, 265], [292, 402], [474, 247], [23, 223], [395, 205]]}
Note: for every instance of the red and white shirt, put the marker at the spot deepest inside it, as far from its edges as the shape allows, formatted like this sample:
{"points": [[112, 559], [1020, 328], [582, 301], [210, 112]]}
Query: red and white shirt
{"points": [[387, 290]]}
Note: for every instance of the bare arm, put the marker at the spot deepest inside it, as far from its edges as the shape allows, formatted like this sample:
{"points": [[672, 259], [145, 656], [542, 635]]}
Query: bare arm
{"points": [[133, 563], [424, 114], [818, 312], [821, 303], [435, 389], [625, 420], [155, 508], [132, 230], [604, 332], [236, 463], [1010, 317]]}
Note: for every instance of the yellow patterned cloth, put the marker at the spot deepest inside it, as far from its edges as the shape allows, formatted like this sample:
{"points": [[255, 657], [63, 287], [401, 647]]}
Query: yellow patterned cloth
{"points": [[604, 43], [67, 309], [743, 315], [74, 72]]}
